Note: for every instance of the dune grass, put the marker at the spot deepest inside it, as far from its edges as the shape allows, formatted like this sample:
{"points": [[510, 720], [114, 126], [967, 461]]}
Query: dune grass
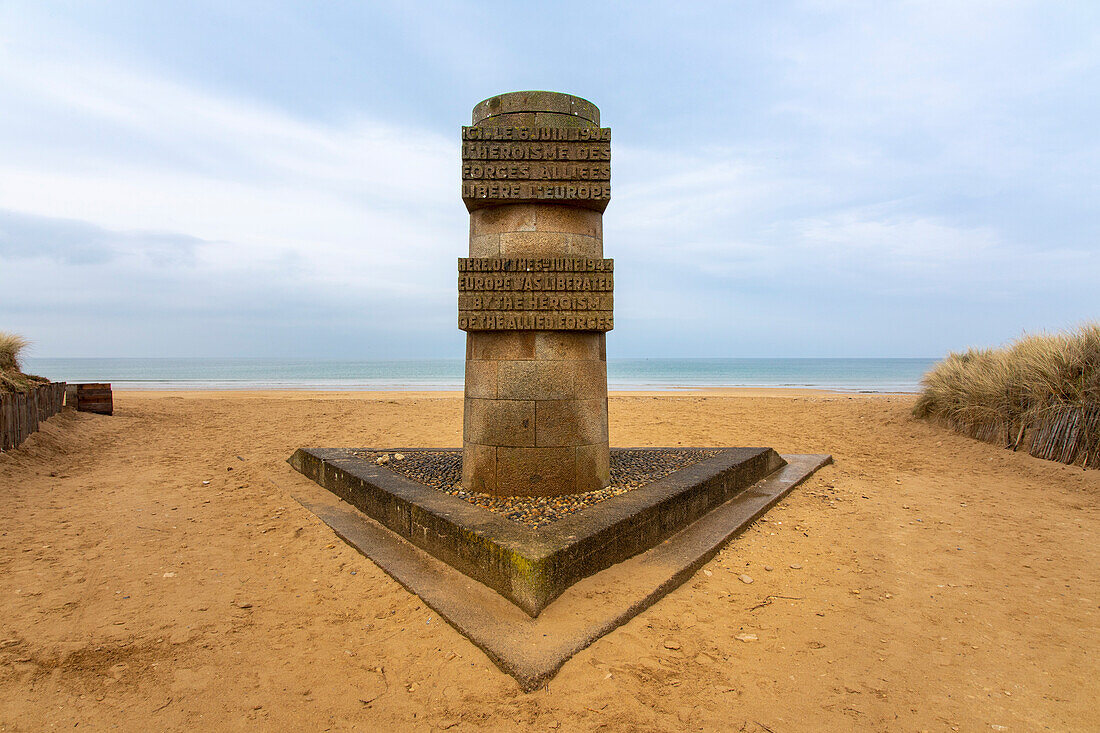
{"points": [[1040, 393], [12, 378], [11, 345]]}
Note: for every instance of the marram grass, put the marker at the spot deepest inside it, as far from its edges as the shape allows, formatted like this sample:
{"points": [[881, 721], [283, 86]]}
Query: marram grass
{"points": [[1041, 393], [12, 378]]}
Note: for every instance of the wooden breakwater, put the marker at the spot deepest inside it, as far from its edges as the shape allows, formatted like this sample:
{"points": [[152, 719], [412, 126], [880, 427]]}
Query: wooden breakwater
{"points": [[92, 397], [22, 412], [1064, 432]]}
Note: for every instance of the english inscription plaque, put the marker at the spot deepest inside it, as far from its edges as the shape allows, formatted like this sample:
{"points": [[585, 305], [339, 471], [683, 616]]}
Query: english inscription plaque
{"points": [[535, 294]]}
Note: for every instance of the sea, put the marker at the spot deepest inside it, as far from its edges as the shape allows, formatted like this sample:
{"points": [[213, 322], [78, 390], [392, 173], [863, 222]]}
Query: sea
{"points": [[841, 375]]}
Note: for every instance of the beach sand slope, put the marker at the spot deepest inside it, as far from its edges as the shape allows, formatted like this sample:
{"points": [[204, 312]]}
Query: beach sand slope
{"points": [[156, 574]]}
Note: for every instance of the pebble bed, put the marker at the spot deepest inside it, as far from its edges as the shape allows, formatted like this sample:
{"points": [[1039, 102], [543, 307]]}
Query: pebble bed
{"points": [[631, 468]]}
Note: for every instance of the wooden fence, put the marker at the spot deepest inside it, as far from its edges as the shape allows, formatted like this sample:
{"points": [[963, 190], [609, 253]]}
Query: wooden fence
{"points": [[1067, 433], [21, 412]]}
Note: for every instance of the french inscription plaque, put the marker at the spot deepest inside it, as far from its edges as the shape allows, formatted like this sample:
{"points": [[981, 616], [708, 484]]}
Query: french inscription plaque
{"points": [[563, 165], [535, 294]]}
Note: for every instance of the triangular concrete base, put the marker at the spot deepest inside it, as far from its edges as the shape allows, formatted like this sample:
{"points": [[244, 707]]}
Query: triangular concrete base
{"points": [[532, 650]]}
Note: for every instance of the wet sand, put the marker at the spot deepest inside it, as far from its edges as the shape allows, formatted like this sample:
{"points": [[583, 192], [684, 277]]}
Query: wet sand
{"points": [[156, 574]]}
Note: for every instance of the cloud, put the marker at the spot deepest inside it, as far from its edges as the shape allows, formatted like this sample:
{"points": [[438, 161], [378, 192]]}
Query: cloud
{"points": [[143, 152], [827, 177], [169, 201], [73, 242]]}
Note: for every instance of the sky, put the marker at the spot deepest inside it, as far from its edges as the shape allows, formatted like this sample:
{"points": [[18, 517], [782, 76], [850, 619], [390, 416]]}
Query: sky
{"points": [[790, 179]]}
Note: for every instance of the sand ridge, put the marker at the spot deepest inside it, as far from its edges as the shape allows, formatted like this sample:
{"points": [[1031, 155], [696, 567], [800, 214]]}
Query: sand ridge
{"points": [[155, 573]]}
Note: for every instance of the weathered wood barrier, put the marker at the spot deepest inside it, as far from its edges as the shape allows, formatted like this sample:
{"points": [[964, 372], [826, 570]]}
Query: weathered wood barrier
{"points": [[92, 397], [21, 412], [1063, 432], [1068, 434]]}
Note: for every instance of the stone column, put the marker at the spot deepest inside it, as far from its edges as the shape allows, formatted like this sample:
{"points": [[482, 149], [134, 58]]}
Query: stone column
{"points": [[535, 296]]}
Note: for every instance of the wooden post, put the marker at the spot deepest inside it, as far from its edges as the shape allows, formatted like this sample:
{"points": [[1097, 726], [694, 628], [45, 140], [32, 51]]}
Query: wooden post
{"points": [[20, 417], [32, 413], [7, 440]]}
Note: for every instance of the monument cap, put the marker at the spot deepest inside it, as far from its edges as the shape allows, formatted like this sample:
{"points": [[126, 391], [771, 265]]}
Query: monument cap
{"points": [[536, 101]]}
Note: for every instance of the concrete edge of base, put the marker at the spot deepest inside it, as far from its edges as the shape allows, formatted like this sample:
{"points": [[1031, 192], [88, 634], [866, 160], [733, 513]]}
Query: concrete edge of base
{"points": [[533, 567], [532, 650]]}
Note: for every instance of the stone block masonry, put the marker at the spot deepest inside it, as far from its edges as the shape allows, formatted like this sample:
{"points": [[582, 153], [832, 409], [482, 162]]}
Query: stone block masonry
{"points": [[535, 296]]}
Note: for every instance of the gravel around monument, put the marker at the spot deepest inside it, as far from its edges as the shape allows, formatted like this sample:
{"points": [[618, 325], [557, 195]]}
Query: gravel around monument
{"points": [[631, 468]]}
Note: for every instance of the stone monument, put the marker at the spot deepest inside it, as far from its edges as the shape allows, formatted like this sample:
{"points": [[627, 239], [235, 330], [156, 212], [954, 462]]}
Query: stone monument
{"points": [[530, 581], [535, 296]]}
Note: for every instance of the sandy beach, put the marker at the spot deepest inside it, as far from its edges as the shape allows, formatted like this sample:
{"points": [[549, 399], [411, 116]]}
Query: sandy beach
{"points": [[155, 573]]}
